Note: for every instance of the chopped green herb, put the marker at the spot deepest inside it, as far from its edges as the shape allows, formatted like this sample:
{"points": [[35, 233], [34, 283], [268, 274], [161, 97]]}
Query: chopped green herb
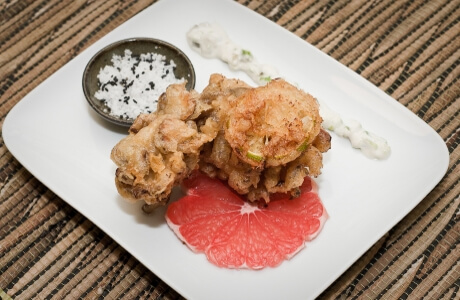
{"points": [[254, 156], [266, 78], [303, 146], [246, 52], [372, 144]]}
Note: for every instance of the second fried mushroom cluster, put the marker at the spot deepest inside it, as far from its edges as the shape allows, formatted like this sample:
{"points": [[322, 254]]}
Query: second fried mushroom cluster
{"points": [[270, 138]]}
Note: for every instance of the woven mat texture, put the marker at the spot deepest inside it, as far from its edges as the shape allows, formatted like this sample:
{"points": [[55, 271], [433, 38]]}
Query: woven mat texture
{"points": [[408, 48]]}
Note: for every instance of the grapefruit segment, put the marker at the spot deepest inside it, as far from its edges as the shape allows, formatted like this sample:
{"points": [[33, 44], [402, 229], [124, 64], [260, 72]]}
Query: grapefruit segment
{"points": [[234, 233]]}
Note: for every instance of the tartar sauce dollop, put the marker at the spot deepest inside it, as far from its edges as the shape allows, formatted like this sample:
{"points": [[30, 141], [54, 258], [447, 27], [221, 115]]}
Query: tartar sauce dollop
{"points": [[371, 145], [211, 41]]}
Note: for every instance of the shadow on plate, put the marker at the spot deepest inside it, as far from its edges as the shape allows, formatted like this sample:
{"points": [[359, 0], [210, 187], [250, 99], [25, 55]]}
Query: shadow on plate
{"points": [[154, 219], [106, 124]]}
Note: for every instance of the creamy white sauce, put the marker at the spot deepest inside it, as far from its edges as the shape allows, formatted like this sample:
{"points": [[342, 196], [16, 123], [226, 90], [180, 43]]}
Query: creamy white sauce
{"points": [[211, 41], [370, 144]]}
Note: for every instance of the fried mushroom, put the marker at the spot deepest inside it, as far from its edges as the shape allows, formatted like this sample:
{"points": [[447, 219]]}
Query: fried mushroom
{"points": [[260, 141]]}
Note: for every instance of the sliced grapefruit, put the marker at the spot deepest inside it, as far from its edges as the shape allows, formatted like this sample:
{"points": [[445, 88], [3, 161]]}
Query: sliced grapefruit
{"points": [[233, 233]]}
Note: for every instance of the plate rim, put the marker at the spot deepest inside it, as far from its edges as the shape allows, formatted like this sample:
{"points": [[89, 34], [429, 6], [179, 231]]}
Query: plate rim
{"points": [[8, 131]]}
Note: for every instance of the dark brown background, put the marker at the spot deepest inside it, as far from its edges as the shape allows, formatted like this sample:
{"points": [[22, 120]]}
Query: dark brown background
{"points": [[408, 48]]}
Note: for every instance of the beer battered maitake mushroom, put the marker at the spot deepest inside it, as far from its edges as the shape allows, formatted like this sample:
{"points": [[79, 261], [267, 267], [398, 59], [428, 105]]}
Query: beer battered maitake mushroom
{"points": [[260, 140]]}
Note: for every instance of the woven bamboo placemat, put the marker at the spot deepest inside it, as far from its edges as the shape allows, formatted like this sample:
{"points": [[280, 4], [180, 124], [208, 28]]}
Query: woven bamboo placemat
{"points": [[410, 49]]}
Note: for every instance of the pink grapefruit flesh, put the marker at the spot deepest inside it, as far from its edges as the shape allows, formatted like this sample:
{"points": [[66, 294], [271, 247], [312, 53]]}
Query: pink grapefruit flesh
{"points": [[233, 233]]}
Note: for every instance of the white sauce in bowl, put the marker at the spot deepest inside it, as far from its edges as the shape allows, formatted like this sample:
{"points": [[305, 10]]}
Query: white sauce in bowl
{"points": [[211, 41]]}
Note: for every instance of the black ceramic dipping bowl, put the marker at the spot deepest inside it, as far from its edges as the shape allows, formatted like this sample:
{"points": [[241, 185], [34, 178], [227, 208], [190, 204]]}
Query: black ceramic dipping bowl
{"points": [[184, 69]]}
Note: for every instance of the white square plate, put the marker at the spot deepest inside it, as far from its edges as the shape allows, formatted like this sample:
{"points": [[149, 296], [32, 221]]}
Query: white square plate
{"points": [[55, 135]]}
